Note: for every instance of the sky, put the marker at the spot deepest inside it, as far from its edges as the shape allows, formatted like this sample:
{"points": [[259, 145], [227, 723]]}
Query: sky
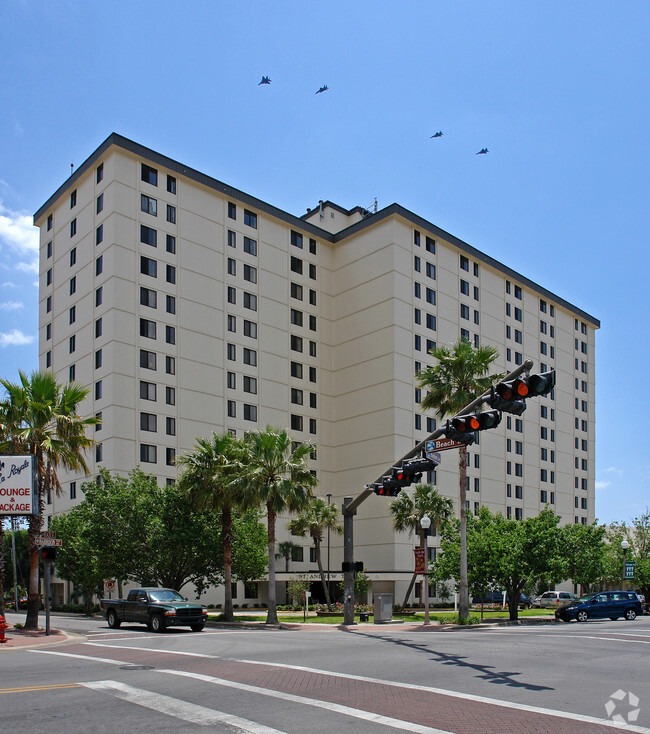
{"points": [[557, 92]]}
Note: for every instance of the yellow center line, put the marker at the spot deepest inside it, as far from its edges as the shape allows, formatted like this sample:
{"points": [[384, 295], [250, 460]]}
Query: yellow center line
{"points": [[26, 689]]}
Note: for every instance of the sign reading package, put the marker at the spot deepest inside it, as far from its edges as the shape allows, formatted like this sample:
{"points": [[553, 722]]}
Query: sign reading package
{"points": [[18, 486]]}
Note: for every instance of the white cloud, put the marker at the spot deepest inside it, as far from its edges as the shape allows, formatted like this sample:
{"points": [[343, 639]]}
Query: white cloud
{"points": [[614, 470], [11, 306], [603, 485], [18, 234], [15, 338]]}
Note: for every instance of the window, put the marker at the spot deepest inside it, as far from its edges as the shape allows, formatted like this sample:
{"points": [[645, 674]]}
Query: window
{"points": [[99, 452], [148, 205], [312, 297], [73, 228], [250, 384], [312, 246], [232, 266], [250, 301], [431, 270], [98, 359], [148, 267], [232, 238], [296, 265], [148, 328], [250, 357], [48, 359], [48, 277], [296, 343], [250, 329], [170, 304], [148, 236], [148, 297], [170, 456], [99, 206], [72, 344], [250, 412], [98, 390], [250, 218], [464, 263], [148, 453], [296, 396], [431, 321], [231, 380], [100, 173], [170, 273], [250, 246], [48, 249], [250, 273], [312, 271], [149, 175], [296, 422], [464, 311], [171, 184], [296, 291], [170, 395], [148, 422], [232, 210], [232, 294], [232, 409], [232, 323], [296, 317], [147, 360], [72, 371], [98, 328], [296, 239], [99, 265], [231, 352], [73, 256], [170, 426], [99, 235], [72, 316], [49, 222], [170, 334], [73, 285], [48, 304], [296, 370], [170, 365], [170, 244], [312, 322], [171, 213], [312, 349]]}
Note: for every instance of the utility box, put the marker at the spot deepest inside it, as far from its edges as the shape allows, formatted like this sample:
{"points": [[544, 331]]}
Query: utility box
{"points": [[383, 608]]}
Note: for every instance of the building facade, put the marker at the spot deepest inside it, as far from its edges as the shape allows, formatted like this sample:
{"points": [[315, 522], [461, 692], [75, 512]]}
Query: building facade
{"points": [[189, 306]]}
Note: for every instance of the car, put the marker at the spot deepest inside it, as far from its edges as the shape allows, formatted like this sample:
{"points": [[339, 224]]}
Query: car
{"points": [[603, 605], [553, 599], [496, 597]]}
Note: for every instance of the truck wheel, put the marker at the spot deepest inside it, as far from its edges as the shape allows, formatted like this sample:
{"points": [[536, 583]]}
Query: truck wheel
{"points": [[112, 619], [197, 627], [157, 623]]}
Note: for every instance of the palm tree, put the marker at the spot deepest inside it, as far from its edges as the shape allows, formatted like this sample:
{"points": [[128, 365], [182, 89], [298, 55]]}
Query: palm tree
{"points": [[407, 511], [460, 375], [275, 474], [207, 476], [316, 518], [285, 550], [39, 417]]}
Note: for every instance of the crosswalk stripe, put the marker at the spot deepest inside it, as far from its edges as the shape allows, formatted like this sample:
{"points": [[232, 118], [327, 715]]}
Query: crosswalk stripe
{"points": [[184, 710]]}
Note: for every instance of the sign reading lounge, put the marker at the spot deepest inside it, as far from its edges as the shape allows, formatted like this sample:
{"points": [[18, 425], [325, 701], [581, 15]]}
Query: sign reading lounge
{"points": [[18, 487]]}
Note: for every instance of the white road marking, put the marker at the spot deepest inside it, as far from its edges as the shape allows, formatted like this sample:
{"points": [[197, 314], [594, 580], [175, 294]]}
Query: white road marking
{"points": [[338, 708], [149, 649], [184, 710]]}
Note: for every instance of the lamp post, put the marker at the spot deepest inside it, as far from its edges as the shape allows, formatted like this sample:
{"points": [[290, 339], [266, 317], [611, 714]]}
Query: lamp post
{"points": [[624, 545], [425, 524]]}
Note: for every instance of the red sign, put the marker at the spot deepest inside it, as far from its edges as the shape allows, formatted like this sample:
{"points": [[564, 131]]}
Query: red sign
{"points": [[420, 562]]}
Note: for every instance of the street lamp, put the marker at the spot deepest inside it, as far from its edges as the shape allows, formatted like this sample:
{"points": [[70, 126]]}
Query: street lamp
{"points": [[329, 499], [624, 545], [425, 524]]}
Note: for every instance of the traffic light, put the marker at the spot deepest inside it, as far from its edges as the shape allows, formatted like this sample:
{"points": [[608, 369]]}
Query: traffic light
{"points": [[48, 553], [463, 428], [407, 473], [510, 395]]}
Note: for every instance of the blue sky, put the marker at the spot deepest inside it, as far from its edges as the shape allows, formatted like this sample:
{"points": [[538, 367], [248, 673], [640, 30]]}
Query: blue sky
{"points": [[558, 93]]}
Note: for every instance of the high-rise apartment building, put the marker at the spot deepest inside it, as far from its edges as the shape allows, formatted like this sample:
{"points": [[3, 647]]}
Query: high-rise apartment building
{"points": [[189, 307]]}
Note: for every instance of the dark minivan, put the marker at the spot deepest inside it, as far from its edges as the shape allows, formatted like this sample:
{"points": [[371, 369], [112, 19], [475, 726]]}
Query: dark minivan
{"points": [[604, 604]]}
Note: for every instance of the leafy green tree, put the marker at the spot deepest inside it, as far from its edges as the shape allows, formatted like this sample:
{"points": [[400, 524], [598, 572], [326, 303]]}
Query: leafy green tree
{"points": [[460, 375], [79, 559], [408, 510], [207, 476], [507, 554], [584, 547], [21, 539], [316, 519], [275, 474], [40, 417], [637, 535]]}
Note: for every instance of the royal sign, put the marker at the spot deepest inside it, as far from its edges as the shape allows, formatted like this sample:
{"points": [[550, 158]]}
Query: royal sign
{"points": [[18, 486]]}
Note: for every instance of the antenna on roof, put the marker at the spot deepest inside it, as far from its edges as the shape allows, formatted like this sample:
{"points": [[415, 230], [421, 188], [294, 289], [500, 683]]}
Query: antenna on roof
{"points": [[71, 168]]}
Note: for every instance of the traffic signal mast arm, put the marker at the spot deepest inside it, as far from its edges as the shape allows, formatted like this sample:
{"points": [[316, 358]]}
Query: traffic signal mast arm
{"points": [[350, 508]]}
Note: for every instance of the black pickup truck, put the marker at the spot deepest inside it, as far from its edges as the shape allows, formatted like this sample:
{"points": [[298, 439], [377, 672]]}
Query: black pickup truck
{"points": [[157, 608]]}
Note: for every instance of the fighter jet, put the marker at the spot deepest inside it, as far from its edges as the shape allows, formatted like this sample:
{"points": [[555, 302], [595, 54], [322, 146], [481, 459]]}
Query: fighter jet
{"points": [[483, 151], [439, 134], [265, 80], [324, 88]]}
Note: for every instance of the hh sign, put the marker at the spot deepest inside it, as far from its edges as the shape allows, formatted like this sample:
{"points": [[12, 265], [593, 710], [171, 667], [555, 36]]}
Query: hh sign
{"points": [[18, 487]]}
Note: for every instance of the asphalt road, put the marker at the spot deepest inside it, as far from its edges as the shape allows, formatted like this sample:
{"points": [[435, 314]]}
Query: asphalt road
{"points": [[543, 678]]}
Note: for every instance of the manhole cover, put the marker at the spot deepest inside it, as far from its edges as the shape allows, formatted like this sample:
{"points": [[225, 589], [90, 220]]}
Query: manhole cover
{"points": [[136, 667]]}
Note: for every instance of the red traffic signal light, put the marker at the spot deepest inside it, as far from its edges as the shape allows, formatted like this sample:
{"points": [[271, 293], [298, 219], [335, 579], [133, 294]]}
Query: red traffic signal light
{"points": [[463, 428], [516, 389], [510, 395], [407, 473], [48, 553]]}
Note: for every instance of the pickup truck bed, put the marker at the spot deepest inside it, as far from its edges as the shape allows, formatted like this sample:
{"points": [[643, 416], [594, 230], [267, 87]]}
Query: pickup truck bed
{"points": [[157, 608]]}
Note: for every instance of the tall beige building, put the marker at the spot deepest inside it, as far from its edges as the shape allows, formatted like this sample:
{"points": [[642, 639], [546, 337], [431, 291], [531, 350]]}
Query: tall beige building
{"points": [[190, 306]]}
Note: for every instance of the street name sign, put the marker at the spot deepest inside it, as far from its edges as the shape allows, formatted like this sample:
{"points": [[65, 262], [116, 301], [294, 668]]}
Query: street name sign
{"points": [[47, 540], [441, 444]]}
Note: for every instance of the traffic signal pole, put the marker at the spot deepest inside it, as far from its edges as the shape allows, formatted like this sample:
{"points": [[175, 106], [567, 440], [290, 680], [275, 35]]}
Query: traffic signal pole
{"points": [[349, 509]]}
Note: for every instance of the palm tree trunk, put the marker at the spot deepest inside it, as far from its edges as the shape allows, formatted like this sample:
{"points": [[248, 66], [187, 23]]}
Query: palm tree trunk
{"points": [[463, 590], [33, 595], [321, 572], [272, 615], [2, 569], [408, 591], [226, 532]]}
